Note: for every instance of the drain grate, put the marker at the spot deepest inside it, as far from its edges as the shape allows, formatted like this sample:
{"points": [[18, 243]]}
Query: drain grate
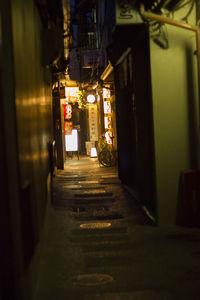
{"points": [[100, 218], [96, 225], [83, 202], [59, 179], [96, 194], [109, 230], [88, 181], [78, 187], [133, 295], [94, 201], [94, 191], [105, 247], [92, 279], [78, 208], [113, 176], [97, 238], [111, 260], [71, 186]]}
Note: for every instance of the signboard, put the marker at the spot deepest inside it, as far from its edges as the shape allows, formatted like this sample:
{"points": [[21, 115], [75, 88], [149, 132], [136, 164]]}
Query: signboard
{"points": [[106, 93], [93, 129], [107, 107], [126, 13], [108, 136], [71, 141], [68, 127], [108, 122], [71, 92], [67, 111]]}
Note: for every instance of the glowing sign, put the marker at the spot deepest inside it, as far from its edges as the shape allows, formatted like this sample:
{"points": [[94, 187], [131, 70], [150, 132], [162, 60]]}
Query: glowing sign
{"points": [[93, 125], [68, 127], [91, 98], [108, 136], [71, 141], [108, 122], [107, 107], [67, 111], [106, 93], [93, 152], [71, 92]]}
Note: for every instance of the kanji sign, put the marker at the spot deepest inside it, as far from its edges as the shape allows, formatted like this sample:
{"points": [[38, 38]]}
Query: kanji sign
{"points": [[93, 122], [68, 127], [67, 111], [107, 107]]}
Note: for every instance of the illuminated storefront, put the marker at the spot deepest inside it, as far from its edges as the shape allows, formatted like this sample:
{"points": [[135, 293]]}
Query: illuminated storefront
{"points": [[107, 115], [71, 134]]}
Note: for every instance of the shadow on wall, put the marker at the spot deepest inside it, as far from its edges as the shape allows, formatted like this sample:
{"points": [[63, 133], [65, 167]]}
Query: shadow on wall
{"points": [[188, 204]]}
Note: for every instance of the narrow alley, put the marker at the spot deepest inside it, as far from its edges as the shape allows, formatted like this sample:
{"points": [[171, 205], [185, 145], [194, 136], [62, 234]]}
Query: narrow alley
{"points": [[99, 245], [100, 150]]}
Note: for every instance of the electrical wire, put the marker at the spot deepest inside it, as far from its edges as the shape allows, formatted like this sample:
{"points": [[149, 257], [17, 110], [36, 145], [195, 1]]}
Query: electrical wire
{"points": [[179, 6], [189, 11]]}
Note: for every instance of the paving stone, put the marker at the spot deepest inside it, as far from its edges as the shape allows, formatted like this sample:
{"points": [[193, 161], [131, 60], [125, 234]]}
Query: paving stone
{"points": [[144, 262]]}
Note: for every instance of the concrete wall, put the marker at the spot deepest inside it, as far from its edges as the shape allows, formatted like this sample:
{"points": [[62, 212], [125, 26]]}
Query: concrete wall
{"points": [[175, 110], [26, 118]]}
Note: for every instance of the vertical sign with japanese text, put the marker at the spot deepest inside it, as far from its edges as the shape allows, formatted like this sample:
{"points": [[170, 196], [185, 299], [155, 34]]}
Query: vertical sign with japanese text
{"points": [[93, 129]]}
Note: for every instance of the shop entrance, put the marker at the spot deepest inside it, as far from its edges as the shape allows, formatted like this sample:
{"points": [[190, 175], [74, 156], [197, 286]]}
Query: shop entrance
{"points": [[84, 126]]}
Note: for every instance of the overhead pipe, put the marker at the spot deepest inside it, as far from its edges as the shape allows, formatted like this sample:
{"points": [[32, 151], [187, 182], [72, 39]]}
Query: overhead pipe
{"points": [[196, 29]]}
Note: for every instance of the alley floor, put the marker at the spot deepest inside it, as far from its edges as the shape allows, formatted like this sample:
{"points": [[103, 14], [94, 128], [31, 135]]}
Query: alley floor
{"points": [[99, 245]]}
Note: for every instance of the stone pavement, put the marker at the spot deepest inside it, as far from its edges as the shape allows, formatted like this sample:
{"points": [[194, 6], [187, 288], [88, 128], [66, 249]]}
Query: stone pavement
{"points": [[98, 244]]}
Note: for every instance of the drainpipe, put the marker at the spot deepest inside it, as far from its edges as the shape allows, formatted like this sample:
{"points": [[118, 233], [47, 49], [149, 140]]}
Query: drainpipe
{"points": [[196, 29]]}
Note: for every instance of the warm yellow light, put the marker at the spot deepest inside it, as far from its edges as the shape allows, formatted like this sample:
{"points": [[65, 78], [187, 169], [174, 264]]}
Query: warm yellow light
{"points": [[108, 136], [71, 141], [106, 93], [107, 107], [71, 92], [93, 152], [91, 98], [108, 122]]}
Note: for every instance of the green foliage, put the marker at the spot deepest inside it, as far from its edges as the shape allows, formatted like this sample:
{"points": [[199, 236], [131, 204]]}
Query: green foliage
{"points": [[102, 143], [82, 99]]}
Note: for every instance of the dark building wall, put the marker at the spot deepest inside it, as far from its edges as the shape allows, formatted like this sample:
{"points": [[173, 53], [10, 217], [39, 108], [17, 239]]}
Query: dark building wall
{"points": [[130, 56], [26, 130], [176, 119]]}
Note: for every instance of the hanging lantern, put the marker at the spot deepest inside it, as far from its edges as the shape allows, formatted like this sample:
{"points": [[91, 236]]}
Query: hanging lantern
{"points": [[91, 98], [67, 111]]}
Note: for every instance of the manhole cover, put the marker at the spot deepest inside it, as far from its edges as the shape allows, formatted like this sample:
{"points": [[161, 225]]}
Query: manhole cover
{"points": [[92, 279], [95, 225]]}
